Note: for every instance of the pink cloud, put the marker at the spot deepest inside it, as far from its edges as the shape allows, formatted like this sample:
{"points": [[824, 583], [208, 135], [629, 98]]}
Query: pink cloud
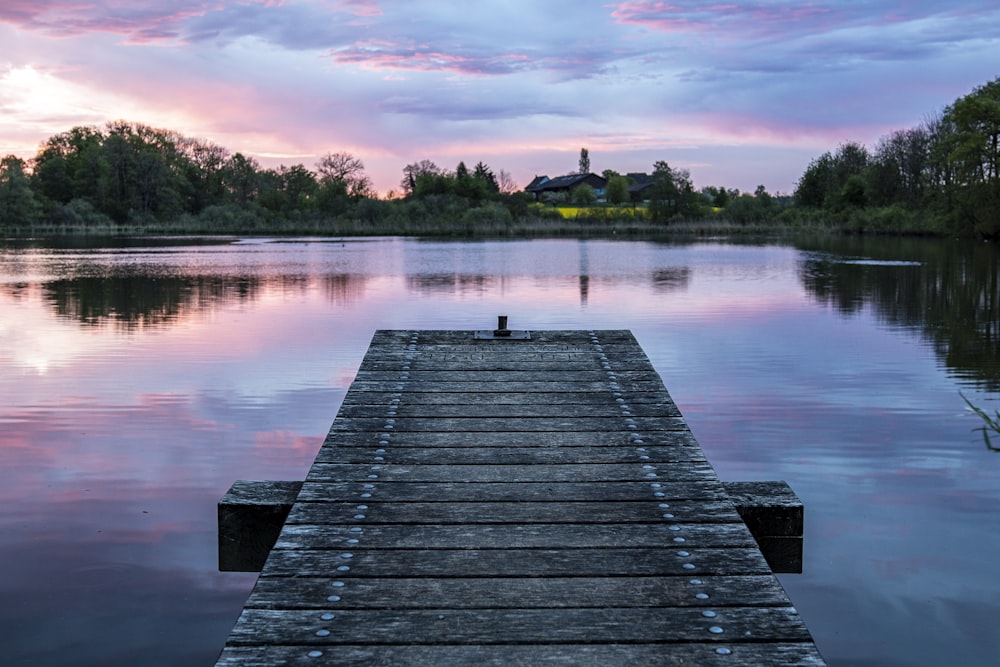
{"points": [[361, 7]]}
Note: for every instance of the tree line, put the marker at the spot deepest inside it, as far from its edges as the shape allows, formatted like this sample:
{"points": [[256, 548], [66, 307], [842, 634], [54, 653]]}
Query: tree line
{"points": [[133, 174], [130, 172], [940, 177]]}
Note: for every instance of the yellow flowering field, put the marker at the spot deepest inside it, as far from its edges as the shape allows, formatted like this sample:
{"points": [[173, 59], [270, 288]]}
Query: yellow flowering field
{"points": [[616, 212]]}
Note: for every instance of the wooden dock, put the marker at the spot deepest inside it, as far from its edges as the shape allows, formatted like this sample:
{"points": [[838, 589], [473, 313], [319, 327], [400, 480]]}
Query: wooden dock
{"points": [[514, 502]]}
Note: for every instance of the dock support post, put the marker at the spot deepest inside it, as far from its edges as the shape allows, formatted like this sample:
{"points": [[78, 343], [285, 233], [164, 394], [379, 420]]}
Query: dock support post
{"points": [[775, 517], [251, 515]]}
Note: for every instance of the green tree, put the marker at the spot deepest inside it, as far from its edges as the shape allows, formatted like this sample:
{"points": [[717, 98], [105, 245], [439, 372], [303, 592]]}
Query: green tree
{"points": [[129, 169], [201, 180], [719, 197], [70, 165], [288, 190], [241, 179], [487, 177], [898, 170], [672, 194], [583, 195], [616, 191], [413, 172], [18, 205], [429, 183], [146, 172], [815, 183], [474, 186], [975, 156], [834, 181], [584, 166], [663, 193]]}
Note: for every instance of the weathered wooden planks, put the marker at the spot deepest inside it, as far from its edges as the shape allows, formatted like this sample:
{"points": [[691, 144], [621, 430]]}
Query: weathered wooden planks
{"points": [[514, 502]]}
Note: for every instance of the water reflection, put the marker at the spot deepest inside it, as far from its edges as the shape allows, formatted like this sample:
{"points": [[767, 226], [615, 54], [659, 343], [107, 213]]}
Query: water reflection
{"points": [[949, 292], [143, 301], [449, 283], [668, 280], [344, 288], [137, 383]]}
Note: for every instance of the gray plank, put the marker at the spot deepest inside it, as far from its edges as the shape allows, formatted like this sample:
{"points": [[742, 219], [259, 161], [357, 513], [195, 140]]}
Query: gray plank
{"points": [[612, 472], [486, 626], [538, 455], [367, 491], [513, 536], [517, 512], [517, 592], [487, 387], [776, 654], [553, 367], [385, 398], [482, 439], [485, 407], [535, 562], [474, 424], [590, 371]]}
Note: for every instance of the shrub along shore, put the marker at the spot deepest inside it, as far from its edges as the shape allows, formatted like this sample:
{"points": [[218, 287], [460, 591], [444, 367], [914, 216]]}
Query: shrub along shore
{"points": [[469, 226]]}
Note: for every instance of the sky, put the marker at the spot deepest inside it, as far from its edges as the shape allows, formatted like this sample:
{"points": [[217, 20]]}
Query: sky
{"points": [[740, 93]]}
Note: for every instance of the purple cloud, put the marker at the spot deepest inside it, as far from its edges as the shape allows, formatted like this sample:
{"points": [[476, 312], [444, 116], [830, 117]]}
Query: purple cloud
{"points": [[386, 55], [139, 22], [382, 54]]}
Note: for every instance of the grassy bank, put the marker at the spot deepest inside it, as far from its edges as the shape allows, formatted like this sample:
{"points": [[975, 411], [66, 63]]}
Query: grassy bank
{"points": [[488, 226]]}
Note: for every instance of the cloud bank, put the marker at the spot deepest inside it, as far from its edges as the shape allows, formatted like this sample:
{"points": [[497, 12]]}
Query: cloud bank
{"points": [[742, 93]]}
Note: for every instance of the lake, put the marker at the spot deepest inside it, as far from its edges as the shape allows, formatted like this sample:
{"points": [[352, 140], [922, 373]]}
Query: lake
{"points": [[139, 380]]}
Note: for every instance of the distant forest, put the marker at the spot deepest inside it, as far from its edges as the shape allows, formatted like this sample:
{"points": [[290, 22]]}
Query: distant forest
{"points": [[941, 177]]}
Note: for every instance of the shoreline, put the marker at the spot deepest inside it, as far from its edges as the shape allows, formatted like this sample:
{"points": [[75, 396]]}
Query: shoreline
{"points": [[524, 228]]}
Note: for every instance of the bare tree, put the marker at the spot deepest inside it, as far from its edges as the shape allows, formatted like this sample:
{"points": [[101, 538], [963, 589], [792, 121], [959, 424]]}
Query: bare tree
{"points": [[506, 182], [346, 169]]}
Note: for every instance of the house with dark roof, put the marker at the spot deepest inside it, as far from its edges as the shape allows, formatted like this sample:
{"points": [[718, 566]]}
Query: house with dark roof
{"points": [[542, 184], [638, 188]]}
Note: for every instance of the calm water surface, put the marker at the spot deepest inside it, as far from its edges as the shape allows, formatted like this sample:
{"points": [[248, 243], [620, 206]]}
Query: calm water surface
{"points": [[137, 383]]}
